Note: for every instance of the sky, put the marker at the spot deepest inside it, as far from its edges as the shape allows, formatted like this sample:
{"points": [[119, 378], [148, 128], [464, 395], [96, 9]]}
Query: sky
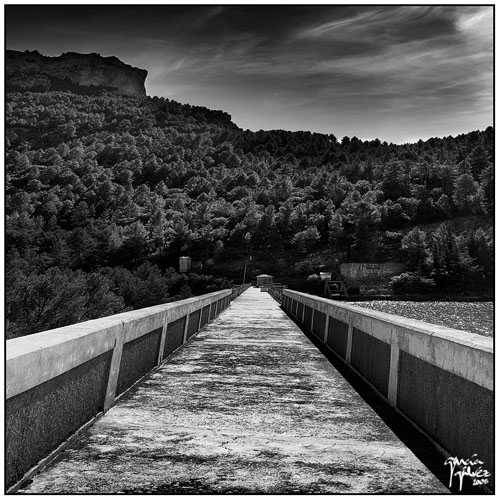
{"points": [[399, 73]]}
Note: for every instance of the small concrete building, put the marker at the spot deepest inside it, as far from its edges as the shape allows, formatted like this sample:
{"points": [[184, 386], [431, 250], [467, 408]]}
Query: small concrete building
{"points": [[184, 264], [264, 280]]}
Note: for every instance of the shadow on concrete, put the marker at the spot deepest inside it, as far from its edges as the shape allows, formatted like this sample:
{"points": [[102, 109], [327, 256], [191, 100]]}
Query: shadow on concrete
{"points": [[421, 445]]}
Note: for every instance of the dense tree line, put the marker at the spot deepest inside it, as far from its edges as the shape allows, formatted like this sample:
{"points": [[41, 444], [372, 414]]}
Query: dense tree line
{"points": [[442, 260], [104, 192]]}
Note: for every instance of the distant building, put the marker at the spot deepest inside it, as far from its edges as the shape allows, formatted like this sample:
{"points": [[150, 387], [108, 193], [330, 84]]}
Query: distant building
{"points": [[184, 264], [358, 270], [264, 280], [372, 278]]}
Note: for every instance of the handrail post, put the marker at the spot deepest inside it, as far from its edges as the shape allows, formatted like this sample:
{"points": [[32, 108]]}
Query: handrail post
{"points": [[162, 342], [349, 341], [199, 320], [114, 370], [327, 325], [184, 337], [392, 390]]}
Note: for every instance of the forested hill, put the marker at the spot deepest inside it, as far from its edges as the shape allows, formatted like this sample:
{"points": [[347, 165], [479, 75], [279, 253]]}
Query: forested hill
{"points": [[104, 192]]}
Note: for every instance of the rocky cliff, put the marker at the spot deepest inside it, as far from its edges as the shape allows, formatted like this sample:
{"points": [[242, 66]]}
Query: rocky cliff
{"points": [[30, 70]]}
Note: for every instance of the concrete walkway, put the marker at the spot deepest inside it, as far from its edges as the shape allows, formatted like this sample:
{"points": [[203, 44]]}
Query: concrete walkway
{"points": [[249, 406]]}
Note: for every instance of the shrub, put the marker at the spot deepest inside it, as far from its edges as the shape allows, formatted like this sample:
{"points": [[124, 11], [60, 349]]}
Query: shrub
{"points": [[411, 283], [313, 278]]}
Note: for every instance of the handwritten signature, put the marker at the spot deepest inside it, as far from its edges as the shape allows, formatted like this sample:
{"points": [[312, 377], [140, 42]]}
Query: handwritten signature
{"points": [[469, 467]]}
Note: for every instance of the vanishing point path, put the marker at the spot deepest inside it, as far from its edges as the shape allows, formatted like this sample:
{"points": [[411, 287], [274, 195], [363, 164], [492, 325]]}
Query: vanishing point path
{"points": [[250, 405]]}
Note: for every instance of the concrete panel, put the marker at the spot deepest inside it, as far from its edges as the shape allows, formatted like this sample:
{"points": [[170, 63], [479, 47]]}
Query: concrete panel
{"points": [[52, 356], [294, 307], [440, 378], [319, 321], [300, 310], [371, 358], [40, 419], [337, 336], [142, 321], [456, 413], [175, 333], [213, 310], [194, 318], [465, 354], [308, 317], [138, 357], [204, 316], [37, 358]]}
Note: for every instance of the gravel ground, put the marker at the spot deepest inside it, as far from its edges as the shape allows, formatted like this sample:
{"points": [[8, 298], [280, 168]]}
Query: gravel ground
{"points": [[476, 317]]}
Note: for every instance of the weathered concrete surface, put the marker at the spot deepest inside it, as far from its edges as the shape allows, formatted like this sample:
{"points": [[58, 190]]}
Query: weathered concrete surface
{"points": [[439, 378], [465, 354], [40, 357], [249, 406]]}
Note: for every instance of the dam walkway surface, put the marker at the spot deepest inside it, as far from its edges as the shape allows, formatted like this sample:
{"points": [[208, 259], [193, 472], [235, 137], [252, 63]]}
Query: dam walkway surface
{"points": [[249, 405]]}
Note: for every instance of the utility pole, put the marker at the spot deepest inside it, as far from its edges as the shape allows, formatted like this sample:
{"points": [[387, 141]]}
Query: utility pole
{"points": [[245, 269]]}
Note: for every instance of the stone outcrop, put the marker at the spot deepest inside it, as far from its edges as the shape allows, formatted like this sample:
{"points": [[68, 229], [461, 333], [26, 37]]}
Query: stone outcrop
{"points": [[30, 70]]}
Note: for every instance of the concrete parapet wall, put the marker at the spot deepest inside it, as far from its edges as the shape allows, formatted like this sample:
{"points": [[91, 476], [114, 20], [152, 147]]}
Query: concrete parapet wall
{"points": [[238, 290], [439, 378], [58, 380]]}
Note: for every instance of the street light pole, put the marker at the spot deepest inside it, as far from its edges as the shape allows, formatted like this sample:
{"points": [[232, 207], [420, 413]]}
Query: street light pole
{"points": [[244, 273]]}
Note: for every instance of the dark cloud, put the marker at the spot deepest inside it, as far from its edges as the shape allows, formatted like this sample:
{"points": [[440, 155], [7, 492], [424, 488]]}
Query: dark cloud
{"points": [[400, 72]]}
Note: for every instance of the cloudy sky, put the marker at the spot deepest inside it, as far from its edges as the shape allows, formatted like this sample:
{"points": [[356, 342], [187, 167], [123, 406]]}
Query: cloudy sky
{"points": [[399, 73]]}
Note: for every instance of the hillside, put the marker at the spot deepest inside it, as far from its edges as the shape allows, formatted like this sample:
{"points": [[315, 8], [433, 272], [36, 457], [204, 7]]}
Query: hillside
{"points": [[104, 192]]}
